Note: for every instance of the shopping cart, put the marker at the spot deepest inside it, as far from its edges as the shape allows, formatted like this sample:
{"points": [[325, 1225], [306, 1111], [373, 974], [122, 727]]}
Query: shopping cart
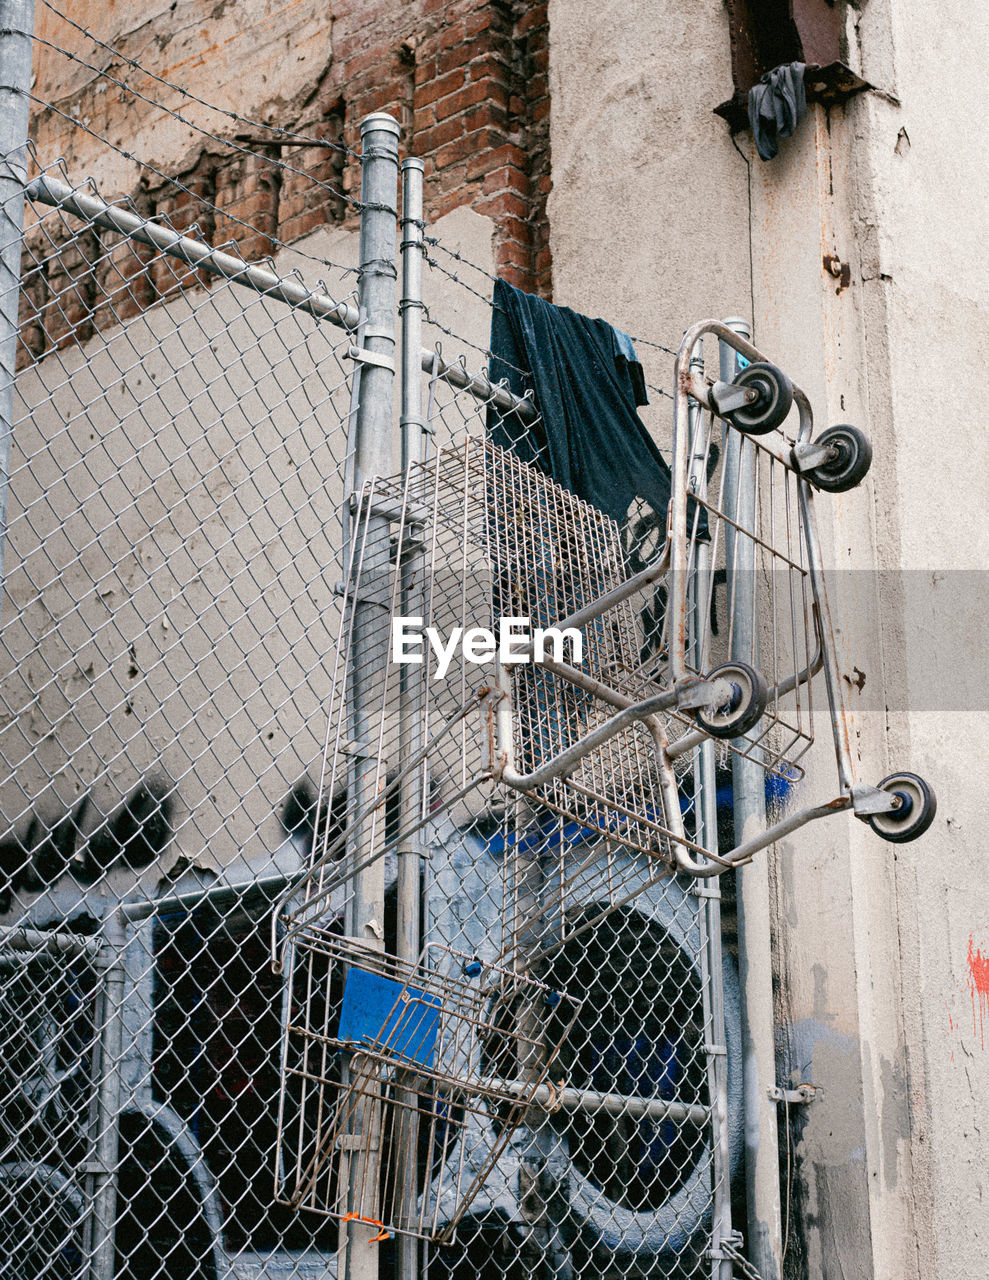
{"points": [[581, 760], [381, 1085]]}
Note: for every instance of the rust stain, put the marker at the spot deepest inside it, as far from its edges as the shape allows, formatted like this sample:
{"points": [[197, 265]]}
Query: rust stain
{"points": [[978, 985]]}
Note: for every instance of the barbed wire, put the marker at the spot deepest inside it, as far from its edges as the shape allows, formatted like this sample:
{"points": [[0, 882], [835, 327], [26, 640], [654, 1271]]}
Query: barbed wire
{"points": [[488, 354], [196, 196], [301, 139], [453, 253], [275, 162]]}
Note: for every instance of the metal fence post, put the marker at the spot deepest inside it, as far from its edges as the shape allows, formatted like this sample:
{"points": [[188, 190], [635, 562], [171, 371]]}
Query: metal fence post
{"points": [[371, 450], [762, 1180], [106, 1112], [709, 891], [411, 691], [16, 44]]}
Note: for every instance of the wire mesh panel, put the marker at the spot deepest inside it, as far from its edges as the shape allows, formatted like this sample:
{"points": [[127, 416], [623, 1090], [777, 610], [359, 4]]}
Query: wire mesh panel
{"points": [[398, 1059], [624, 1169], [175, 525], [499, 551], [175, 587]]}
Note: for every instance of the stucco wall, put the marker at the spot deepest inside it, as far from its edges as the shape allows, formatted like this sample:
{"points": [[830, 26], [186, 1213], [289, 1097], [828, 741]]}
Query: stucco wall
{"points": [[651, 225]]}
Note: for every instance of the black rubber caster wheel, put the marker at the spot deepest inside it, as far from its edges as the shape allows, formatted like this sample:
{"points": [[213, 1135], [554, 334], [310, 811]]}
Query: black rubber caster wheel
{"points": [[775, 398], [918, 805], [851, 463], [744, 707]]}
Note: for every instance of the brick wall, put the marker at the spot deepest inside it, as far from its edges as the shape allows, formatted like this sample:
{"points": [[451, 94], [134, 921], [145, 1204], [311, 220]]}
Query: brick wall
{"points": [[467, 80]]}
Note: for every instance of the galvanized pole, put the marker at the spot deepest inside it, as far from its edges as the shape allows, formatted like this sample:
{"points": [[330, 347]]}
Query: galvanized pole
{"points": [[411, 711], [709, 891], [107, 1104], [762, 1179], [17, 23], [370, 449]]}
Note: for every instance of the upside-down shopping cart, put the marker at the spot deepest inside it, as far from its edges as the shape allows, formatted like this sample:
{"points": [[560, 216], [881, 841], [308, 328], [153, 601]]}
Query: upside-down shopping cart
{"points": [[475, 537]]}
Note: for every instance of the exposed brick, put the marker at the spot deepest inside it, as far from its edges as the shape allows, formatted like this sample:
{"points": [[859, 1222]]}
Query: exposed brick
{"points": [[466, 146], [423, 118], [491, 65], [439, 87], [459, 56], [425, 71], [478, 21], [430, 139], [453, 34], [505, 203], [506, 178], [515, 229], [247, 191], [453, 178], [491, 113], [504, 155], [534, 16], [468, 96], [517, 276]]}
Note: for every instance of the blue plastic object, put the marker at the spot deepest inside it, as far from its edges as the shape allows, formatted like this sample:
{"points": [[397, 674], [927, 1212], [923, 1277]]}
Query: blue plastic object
{"points": [[472, 969], [381, 1012]]}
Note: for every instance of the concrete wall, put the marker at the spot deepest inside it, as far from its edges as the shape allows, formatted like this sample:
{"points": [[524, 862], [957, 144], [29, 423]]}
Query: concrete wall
{"points": [[877, 947]]}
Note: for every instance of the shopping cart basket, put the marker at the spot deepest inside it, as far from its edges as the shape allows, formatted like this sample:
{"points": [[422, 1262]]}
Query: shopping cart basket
{"points": [[399, 1060]]}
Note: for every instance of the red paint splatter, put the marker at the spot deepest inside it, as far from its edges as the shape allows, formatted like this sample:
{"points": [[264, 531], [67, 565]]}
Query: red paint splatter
{"points": [[978, 985]]}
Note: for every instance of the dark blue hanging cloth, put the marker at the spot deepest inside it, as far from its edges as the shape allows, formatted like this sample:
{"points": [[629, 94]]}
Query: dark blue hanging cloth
{"points": [[587, 385]]}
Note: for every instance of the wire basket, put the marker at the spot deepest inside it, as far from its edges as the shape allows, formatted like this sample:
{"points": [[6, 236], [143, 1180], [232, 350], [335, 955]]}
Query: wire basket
{"points": [[470, 538], [387, 1068]]}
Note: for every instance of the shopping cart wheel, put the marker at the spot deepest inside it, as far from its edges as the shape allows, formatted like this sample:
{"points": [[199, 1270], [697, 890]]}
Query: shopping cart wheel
{"points": [[915, 814], [775, 398], [744, 707], [850, 465]]}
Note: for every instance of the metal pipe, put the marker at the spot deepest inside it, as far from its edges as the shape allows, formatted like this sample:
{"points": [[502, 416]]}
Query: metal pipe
{"points": [[218, 895], [412, 694], [370, 447], [106, 1136], [754, 924], [616, 1104], [196, 253], [91, 209], [832, 683], [706, 835], [16, 937], [15, 82]]}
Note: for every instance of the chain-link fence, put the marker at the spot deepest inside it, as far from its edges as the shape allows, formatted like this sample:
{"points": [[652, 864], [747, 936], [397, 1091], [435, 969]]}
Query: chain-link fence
{"points": [[184, 498]]}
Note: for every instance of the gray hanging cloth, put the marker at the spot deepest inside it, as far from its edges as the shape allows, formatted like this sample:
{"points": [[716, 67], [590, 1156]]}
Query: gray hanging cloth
{"points": [[777, 104]]}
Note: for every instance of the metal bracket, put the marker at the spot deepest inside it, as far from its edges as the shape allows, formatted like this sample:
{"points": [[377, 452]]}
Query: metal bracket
{"points": [[340, 589], [801, 1095], [726, 397], [359, 751], [413, 514], [716, 1050], [417, 850], [702, 693], [363, 356], [866, 800], [805, 455], [355, 1142]]}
